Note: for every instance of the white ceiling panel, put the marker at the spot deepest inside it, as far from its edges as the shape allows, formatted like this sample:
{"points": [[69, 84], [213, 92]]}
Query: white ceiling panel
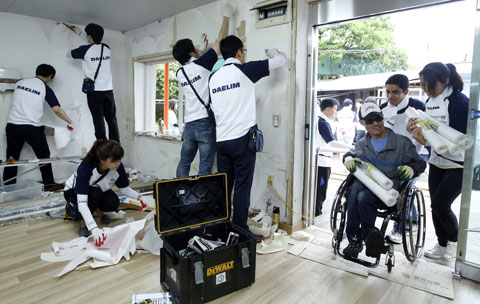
{"points": [[119, 15]]}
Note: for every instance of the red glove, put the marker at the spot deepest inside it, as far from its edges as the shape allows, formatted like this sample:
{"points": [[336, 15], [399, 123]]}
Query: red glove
{"points": [[69, 127]]}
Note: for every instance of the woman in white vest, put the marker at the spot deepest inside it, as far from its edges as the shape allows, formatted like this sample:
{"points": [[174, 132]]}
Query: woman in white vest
{"points": [[90, 187], [446, 103]]}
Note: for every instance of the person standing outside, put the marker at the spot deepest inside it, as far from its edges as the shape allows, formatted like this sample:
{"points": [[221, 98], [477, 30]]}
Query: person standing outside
{"points": [[101, 101], [446, 103], [396, 119], [199, 130], [24, 123], [232, 93], [325, 142], [347, 120]]}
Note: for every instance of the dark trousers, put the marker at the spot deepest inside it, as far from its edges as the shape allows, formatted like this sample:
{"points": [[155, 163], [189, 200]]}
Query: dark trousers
{"points": [[444, 185], [362, 207], [102, 106], [105, 201], [235, 159], [323, 175], [17, 135]]}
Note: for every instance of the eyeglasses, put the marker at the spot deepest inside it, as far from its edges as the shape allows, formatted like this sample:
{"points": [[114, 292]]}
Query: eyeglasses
{"points": [[375, 118]]}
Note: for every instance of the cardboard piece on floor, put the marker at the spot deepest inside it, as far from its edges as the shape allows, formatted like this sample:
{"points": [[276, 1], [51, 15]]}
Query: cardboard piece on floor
{"points": [[297, 248], [322, 255], [422, 275]]}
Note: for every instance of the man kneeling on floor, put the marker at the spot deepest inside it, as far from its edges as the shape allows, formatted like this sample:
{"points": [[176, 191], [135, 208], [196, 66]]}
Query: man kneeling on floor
{"points": [[395, 156]]}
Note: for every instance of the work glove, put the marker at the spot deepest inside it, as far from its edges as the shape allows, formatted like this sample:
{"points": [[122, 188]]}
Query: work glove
{"points": [[405, 172], [271, 53], [70, 127], [349, 163], [99, 236], [143, 206]]}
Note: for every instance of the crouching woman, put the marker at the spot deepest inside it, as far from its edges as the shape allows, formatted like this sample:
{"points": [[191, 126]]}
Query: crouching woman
{"points": [[89, 189]]}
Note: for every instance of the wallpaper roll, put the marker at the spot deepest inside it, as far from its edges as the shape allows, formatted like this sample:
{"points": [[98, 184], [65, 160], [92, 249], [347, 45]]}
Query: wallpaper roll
{"points": [[448, 132], [381, 193], [435, 140], [377, 175]]}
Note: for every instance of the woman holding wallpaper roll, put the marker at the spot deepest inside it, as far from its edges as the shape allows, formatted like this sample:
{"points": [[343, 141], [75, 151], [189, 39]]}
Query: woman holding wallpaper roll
{"points": [[443, 85]]}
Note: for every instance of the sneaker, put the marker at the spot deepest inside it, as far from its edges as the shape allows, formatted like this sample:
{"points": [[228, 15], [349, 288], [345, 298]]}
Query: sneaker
{"points": [[83, 231], [436, 252], [394, 237], [450, 252], [105, 219], [54, 187], [353, 249]]}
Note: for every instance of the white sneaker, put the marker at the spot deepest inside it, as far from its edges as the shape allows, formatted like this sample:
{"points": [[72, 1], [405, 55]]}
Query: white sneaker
{"points": [[394, 237], [436, 252], [450, 251]]}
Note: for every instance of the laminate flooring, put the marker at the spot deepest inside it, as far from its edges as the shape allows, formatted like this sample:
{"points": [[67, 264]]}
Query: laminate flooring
{"points": [[280, 277]]}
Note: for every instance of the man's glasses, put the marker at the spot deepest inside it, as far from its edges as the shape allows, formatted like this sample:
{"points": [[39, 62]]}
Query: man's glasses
{"points": [[376, 118]]}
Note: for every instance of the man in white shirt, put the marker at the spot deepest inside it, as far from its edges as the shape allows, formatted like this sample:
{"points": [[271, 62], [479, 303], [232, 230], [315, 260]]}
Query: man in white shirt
{"points": [[347, 120], [396, 119], [232, 95], [101, 101], [199, 130], [24, 123]]}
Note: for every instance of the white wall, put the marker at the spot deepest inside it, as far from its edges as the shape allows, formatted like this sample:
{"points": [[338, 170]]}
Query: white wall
{"points": [[28, 42], [273, 94]]}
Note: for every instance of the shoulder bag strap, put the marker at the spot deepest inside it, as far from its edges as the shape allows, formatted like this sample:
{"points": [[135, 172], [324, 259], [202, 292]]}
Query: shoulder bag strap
{"points": [[100, 178], [194, 91], [99, 64]]}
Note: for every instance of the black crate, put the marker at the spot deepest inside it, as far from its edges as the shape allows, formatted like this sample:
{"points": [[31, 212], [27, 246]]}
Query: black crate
{"points": [[197, 206]]}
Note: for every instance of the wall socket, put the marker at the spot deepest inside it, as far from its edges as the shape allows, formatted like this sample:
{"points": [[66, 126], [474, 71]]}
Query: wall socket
{"points": [[276, 120]]}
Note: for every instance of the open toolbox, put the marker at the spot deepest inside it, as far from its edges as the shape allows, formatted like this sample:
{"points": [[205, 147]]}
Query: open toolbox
{"points": [[197, 207]]}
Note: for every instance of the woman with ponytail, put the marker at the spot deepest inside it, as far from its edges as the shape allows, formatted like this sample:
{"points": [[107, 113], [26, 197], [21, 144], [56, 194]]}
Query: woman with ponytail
{"points": [[89, 188], [448, 104]]}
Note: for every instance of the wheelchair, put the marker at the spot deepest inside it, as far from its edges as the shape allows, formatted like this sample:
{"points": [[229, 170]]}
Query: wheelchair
{"points": [[412, 225]]}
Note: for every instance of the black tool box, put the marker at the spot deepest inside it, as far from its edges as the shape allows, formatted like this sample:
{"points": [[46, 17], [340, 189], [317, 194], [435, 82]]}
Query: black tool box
{"points": [[197, 206]]}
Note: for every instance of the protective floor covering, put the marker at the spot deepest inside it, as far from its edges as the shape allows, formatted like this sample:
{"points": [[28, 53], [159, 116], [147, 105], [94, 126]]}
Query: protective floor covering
{"points": [[422, 275]]}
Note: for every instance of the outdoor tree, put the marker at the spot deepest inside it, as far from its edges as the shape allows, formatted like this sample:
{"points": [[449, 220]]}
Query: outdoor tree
{"points": [[358, 48]]}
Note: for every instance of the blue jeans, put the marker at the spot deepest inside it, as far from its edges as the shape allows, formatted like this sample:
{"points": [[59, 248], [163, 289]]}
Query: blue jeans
{"points": [[197, 135], [362, 210]]}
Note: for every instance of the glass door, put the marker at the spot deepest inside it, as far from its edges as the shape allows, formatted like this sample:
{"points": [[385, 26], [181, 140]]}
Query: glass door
{"points": [[468, 249]]}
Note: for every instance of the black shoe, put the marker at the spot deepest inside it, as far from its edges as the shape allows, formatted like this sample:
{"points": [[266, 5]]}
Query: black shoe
{"points": [[374, 243], [54, 187], [83, 231], [105, 219], [353, 249]]}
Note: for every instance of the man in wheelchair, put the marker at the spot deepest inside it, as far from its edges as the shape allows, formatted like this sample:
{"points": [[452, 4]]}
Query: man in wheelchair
{"points": [[396, 157]]}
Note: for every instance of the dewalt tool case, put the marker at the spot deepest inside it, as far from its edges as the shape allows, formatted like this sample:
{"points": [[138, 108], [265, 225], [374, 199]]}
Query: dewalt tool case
{"points": [[197, 207]]}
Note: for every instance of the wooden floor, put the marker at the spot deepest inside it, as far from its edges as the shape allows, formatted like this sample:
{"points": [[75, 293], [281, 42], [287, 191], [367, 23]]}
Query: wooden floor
{"points": [[280, 277]]}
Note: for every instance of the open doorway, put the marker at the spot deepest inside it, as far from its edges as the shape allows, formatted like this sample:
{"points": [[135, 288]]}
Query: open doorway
{"points": [[356, 57]]}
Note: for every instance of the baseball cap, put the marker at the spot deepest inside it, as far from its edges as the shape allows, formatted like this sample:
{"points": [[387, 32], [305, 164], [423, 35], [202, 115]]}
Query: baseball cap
{"points": [[368, 109]]}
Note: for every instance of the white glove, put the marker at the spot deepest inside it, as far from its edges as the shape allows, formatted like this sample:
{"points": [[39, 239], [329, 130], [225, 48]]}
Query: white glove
{"points": [[99, 236], [271, 53], [405, 172], [349, 163]]}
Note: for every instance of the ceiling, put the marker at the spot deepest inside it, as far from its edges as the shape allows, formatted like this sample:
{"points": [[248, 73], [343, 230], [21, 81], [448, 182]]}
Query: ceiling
{"points": [[118, 15]]}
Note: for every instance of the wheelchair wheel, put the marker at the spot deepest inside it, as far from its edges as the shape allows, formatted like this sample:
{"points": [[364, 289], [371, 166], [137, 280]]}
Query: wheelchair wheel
{"points": [[338, 204], [413, 221]]}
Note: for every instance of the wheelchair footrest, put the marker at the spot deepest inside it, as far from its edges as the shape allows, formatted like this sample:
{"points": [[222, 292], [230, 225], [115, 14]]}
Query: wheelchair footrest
{"points": [[375, 244]]}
